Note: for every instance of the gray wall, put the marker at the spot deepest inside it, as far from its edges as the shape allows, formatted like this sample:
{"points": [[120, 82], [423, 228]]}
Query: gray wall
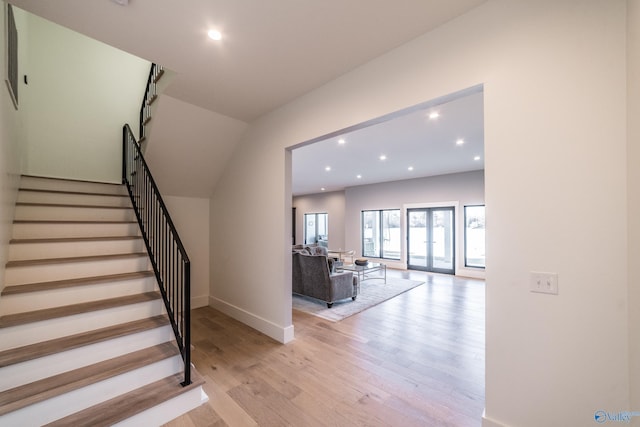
{"points": [[446, 190], [332, 203]]}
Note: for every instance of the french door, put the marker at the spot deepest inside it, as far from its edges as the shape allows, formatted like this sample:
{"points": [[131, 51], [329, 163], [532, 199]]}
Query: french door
{"points": [[431, 239]]}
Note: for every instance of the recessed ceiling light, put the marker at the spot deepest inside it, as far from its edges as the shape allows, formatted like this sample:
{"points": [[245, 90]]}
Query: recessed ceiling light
{"points": [[410, 168], [215, 35], [476, 158], [341, 141], [434, 115], [460, 141], [383, 157], [359, 176], [328, 168], [322, 189]]}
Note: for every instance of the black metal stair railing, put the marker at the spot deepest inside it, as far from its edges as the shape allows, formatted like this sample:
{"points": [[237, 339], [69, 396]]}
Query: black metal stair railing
{"points": [[168, 256], [150, 95]]}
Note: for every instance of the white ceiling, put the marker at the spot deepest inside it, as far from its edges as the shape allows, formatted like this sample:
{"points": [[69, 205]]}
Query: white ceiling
{"points": [[407, 139], [272, 52]]}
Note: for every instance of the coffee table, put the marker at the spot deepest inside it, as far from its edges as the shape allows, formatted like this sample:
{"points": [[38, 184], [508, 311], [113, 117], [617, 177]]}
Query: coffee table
{"points": [[370, 267]]}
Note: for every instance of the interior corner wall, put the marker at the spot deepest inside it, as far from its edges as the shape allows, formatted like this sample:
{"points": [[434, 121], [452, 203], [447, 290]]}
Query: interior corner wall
{"points": [[12, 131], [80, 92], [191, 217], [633, 191], [554, 76], [333, 204], [463, 188]]}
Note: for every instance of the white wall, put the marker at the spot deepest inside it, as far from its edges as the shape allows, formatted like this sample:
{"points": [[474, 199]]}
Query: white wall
{"points": [[633, 193], [555, 189], [461, 188], [11, 138], [331, 203], [188, 147], [80, 92], [191, 218]]}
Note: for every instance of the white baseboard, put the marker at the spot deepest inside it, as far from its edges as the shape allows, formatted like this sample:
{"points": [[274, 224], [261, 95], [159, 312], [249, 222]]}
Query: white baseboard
{"points": [[197, 302], [277, 332], [471, 273], [487, 422]]}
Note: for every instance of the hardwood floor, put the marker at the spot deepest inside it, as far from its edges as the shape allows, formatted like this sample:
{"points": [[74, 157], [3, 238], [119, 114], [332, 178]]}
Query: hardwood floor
{"points": [[415, 360]]}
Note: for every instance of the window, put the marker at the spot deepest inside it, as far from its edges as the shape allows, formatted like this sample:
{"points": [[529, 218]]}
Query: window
{"points": [[381, 233], [316, 229], [12, 55], [474, 236]]}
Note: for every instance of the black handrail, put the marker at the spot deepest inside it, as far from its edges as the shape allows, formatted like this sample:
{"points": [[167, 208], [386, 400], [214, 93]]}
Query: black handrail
{"points": [[150, 95], [168, 256]]}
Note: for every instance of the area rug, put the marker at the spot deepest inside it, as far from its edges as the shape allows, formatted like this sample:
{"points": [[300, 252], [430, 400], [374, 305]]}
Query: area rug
{"points": [[372, 292]]}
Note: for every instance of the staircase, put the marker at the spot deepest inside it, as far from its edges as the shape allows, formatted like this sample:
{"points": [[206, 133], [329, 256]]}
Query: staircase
{"points": [[84, 336]]}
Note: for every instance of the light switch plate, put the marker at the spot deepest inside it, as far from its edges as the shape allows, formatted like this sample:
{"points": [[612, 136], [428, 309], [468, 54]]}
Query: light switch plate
{"points": [[546, 283]]}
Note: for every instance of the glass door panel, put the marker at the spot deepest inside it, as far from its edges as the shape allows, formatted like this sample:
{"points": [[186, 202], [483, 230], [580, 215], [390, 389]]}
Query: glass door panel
{"points": [[442, 240], [417, 238], [431, 239]]}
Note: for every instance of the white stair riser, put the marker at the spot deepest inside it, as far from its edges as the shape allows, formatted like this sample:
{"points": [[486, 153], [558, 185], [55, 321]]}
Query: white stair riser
{"points": [[21, 335], [30, 301], [17, 275], [47, 250], [48, 230], [168, 410], [33, 370], [77, 400], [63, 213], [69, 185], [72, 199]]}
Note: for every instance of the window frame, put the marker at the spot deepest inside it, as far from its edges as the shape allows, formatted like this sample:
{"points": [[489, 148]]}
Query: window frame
{"points": [[316, 222], [11, 54], [380, 253], [466, 262]]}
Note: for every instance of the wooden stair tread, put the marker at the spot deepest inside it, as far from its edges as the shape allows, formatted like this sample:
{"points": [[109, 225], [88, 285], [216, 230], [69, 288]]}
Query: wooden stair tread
{"points": [[78, 193], [90, 258], [74, 239], [46, 348], [70, 283], [122, 407], [50, 178], [66, 205], [37, 391], [73, 309]]}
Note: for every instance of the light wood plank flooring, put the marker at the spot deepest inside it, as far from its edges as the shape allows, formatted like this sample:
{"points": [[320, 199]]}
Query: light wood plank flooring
{"points": [[415, 360]]}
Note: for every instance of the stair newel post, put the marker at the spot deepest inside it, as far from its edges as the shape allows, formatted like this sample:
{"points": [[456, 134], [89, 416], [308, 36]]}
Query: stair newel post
{"points": [[187, 321], [124, 154]]}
